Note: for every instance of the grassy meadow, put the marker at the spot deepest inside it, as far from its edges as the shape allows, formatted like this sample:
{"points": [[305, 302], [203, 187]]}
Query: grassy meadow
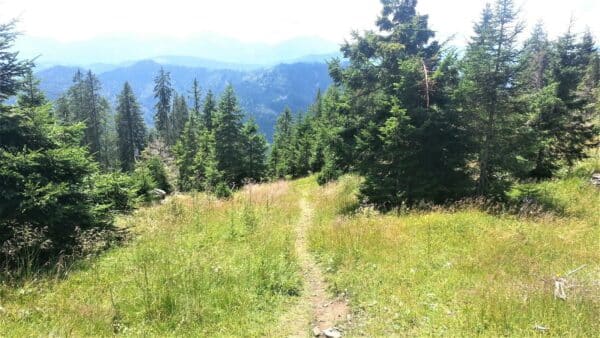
{"points": [[461, 271], [197, 266]]}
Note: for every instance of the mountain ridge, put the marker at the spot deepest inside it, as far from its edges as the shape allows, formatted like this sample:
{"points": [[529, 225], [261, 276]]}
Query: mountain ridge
{"points": [[263, 92]]}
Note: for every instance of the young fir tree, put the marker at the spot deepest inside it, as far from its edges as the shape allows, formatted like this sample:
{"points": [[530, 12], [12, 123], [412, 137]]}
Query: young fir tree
{"points": [[188, 145], [208, 111], [163, 93], [281, 156], [179, 117], [196, 99], [30, 96], [11, 68], [95, 116], [572, 128], [131, 130], [490, 89], [254, 147], [301, 144], [228, 138]]}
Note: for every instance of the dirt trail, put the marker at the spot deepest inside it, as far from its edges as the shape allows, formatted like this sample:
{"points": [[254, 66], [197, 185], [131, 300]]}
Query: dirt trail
{"points": [[315, 308]]}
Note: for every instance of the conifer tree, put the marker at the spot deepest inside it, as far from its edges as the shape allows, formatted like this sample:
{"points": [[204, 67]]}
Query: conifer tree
{"points": [[30, 96], [280, 158], [208, 111], [11, 68], [395, 111], [228, 138], [179, 117], [196, 98], [95, 116], [490, 68], [163, 93], [131, 130], [254, 149]]}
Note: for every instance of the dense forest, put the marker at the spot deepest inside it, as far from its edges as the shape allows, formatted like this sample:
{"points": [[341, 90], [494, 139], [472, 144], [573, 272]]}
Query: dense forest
{"points": [[419, 120]]}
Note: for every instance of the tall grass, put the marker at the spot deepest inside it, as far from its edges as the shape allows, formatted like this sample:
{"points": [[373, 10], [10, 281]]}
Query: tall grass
{"points": [[464, 272], [197, 267]]}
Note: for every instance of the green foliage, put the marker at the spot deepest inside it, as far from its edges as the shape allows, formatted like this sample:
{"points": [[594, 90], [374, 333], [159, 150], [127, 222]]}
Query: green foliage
{"points": [[11, 68], [30, 95], [163, 93], [254, 148], [461, 271], [131, 130], [228, 137], [83, 103], [48, 182], [158, 173], [114, 192]]}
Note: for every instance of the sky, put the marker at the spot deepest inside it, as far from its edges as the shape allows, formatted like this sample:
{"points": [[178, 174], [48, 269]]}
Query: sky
{"points": [[268, 21]]}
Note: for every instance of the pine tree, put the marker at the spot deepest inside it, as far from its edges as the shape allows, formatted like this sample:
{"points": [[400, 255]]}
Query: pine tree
{"points": [[228, 138], [254, 149], [280, 158], [163, 93], [535, 60], [489, 90], [208, 111], [30, 96], [196, 98], [179, 116], [95, 118], [392, 110], [11, 68], [131, 130]]}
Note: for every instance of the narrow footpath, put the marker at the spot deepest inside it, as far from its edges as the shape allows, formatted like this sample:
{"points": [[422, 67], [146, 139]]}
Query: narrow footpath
{"points": [[316, 313]]}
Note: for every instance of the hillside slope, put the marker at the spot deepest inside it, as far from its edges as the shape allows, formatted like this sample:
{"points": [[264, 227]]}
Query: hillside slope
{"points": [[198, 266], [263, 93]]}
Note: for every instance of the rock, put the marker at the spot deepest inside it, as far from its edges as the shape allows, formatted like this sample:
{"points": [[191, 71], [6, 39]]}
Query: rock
{"points": [[159, 194], [595, 180], [316, 331], [332, 332]]}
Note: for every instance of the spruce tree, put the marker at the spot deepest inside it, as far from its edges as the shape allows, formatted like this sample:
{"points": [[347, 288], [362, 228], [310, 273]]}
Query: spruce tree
{"points": [[131, 130], [254, 149], [196, 98], [179, 116], [228, 138], [30, 96], [208, 111], [489, 89], [163, 93], [11, 68], [281, 156]]}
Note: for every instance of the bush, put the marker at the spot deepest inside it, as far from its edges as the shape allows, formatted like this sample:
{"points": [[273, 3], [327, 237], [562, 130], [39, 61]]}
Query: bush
{"points": [[158, 173], [221, 190], [47, 186], [114, 192]]}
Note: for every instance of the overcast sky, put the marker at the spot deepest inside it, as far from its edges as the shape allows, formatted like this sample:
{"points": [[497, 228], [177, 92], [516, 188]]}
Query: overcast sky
{"points": [[264, 20]]}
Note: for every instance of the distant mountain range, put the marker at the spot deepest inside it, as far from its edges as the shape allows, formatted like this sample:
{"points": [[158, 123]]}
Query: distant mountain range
{"points": [[117, 50], [263, 91]]}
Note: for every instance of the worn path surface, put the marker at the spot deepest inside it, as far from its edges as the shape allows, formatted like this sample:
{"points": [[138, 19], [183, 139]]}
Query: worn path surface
{"points": [[316, 309]]}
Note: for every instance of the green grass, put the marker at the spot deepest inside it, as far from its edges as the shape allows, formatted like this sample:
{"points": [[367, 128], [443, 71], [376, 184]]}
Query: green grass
{"points": [[464, 272], [197, 267]]}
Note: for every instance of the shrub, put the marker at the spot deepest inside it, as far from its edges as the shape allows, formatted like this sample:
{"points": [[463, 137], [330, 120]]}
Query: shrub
{"points": [[47, 185]]}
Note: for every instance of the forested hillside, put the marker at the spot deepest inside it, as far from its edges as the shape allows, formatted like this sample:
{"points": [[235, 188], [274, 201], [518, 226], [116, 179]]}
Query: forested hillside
{"points": [[407, 189], [263, 93]]}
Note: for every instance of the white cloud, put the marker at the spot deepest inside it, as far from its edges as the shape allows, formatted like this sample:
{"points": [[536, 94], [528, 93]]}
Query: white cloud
{"points": [[263, 20]]}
